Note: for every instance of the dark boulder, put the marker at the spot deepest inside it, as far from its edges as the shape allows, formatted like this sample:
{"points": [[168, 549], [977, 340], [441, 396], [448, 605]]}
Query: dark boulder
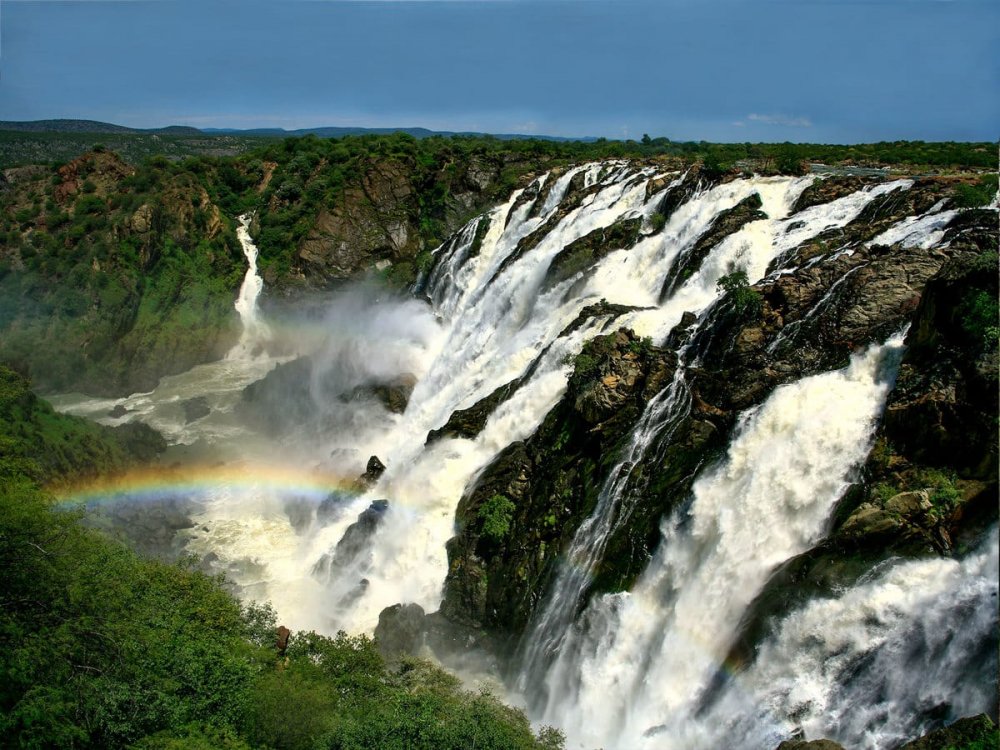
{"points": [[281, 643], [353, 548], [399, 630], [373, 470], [393, 394]]}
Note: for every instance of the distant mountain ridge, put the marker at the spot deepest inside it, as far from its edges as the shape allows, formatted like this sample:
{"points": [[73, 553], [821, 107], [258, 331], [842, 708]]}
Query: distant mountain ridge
{"points": [[95, 126], [90, 126]]}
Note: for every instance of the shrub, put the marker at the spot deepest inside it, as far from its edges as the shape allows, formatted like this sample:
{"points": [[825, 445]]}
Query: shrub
{"points": [[745, 302], [978, 316], [496, 515]]}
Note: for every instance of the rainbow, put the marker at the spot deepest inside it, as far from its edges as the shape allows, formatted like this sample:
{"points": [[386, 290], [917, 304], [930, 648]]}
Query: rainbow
{"points": [[197, 480]]}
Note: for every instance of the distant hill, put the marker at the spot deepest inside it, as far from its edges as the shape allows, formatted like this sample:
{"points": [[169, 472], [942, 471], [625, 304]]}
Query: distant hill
{"points": [[337, 132], [89, 126], [94, 126]]}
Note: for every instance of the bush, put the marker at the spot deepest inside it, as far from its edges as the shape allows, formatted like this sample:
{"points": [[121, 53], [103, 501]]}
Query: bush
{"points": [[979, 194], [746, 303], [496, 515], [979, 316]]}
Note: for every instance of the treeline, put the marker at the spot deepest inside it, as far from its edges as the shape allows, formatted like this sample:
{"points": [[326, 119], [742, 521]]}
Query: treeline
{"points": [[102, 649]]}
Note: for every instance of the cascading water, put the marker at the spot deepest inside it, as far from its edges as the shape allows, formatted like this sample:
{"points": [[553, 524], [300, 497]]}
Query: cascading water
{"points": [[548, 632], [639, 661], [878, 665], [255, 330], [630, 670]]}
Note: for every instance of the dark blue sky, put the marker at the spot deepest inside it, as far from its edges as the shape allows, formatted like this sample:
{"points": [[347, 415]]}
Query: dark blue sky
{"points": [[729, 70]]}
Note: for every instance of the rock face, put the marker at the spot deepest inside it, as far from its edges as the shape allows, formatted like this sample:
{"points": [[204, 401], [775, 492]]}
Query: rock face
{"points": [[155, 267], [399, 630], [353, 545], [468, 423], [547, 485], [376, 220], [971, 732]]}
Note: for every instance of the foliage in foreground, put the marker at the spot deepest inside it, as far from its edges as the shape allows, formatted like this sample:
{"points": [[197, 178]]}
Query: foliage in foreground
{"points": [[100, 648]]}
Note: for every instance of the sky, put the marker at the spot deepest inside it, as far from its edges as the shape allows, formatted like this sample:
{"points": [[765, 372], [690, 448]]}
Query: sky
{"points": [[830, 71]]}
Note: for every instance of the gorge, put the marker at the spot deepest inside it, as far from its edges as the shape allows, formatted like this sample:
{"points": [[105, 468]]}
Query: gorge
{"points": [[670, 457]]}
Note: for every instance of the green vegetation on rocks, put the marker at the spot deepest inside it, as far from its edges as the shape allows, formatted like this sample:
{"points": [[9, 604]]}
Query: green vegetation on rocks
{"points": [[112, 276]]}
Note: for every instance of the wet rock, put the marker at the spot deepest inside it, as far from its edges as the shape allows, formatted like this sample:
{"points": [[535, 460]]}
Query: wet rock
{"points": [[550, 481], [399, 630], [971, 732], [810, 745], [468, 423], [598, 310], [870, 521], [393, 394], [373, 470], [353, 548], [118, 412], [910, 504], [830, 189], [584, 253]]}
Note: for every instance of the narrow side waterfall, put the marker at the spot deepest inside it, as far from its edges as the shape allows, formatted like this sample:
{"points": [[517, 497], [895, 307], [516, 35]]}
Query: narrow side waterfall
{"points": [[548, 632], [631, 672], [255, 330]]}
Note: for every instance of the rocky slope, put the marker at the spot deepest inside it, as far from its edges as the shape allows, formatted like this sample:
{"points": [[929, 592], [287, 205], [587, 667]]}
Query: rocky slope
{"points": [[113, 276]]}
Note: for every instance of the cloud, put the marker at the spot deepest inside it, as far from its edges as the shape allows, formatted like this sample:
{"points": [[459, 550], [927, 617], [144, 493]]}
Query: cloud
{"points": [[782, 120]]}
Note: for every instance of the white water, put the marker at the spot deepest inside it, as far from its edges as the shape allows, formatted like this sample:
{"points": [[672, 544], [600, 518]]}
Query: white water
{"points": [[866, 668], [639, 660], [255, 331], [635, 661]]}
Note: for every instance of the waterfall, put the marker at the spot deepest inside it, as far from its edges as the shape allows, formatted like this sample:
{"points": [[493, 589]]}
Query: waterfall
{"points": [[255, 330], [885, 661], [502, 320], [632, 669], [548, 631]]}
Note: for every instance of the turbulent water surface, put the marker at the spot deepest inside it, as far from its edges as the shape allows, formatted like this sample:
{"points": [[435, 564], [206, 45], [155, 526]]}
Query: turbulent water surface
{"points": [[632, 669]]}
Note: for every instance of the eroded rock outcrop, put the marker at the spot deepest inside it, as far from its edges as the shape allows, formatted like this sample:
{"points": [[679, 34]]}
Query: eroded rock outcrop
{"points": [[527, 503]]}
